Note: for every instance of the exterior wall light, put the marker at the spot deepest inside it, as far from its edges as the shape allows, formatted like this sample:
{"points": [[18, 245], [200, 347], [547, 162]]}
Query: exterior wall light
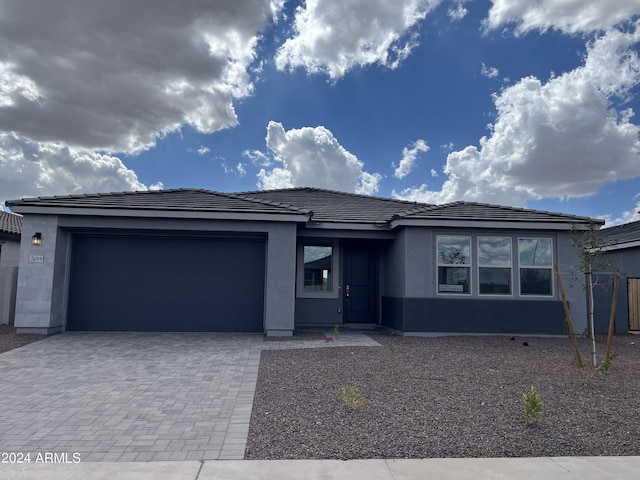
{"points": [[36, 239]]}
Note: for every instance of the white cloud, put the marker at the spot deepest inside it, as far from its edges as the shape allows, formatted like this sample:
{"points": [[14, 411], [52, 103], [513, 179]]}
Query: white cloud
{"points": [[114, 77], [241, 169], [626, 216], [313, 157], [334, 36], [29, 168], [258, 158], [203, 150], [569, 16], [434, 173], [558, 139], [489, 72], [457, 13], [409, 157]]}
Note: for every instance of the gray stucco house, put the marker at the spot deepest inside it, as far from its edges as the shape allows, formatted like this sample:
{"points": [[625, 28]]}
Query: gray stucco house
{"points": [[10, 228], [271, 261], [622, 252]]}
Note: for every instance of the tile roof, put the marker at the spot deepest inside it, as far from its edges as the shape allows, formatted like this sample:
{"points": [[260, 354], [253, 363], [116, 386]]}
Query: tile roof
{"points": [[185, 199], [485, 211], [628, 232], [10, 223], [323, 206], [334, 206]]}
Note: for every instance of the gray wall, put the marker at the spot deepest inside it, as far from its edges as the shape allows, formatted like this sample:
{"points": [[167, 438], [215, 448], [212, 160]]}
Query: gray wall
{"points": [[628, 261], [43, 287], [39, 308], [9, 261], [405, 296]]}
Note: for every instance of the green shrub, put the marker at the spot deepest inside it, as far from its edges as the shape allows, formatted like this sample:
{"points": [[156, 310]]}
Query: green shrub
{"points": [[606, 365], [352, 396], [533, 406]]}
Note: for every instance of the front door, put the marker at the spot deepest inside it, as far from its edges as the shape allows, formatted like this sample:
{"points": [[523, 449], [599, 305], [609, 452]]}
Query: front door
{"points": [[634, 304], [360, 283]]}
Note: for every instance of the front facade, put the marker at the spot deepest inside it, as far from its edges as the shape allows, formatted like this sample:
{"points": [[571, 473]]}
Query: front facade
{"points": [[10, 228], [272, 261]]}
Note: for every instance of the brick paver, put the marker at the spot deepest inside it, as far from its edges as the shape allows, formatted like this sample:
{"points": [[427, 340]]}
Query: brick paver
{"points": [[130, 396], [136, 396]]}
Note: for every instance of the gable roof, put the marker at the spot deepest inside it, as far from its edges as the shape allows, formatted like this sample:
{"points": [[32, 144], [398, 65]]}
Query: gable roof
{"points": [[10, 223], [622, 236], [313, 205]]}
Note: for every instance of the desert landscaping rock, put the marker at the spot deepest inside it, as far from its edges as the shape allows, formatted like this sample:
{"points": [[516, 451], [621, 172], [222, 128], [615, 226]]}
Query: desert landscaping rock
{"points": [[445, 397]]}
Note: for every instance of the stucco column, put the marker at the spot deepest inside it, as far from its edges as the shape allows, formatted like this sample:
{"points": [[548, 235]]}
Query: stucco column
{"points": [[37, 310], [279, 310]]}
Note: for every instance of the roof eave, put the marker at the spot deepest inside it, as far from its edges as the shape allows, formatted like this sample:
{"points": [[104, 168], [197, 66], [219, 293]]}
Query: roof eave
{"points": [[485, 223], [164, 213]]}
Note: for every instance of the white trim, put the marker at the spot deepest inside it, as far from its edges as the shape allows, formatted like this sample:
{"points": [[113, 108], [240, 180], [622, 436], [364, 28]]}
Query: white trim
{"points": [[616, 246]]}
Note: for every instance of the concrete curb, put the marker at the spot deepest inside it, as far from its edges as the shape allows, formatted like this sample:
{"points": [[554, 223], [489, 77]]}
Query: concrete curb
{"points": [[556, 468]]}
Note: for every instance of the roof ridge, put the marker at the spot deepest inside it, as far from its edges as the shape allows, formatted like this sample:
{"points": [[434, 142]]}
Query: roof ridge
{"points": [[287, 206], [327, 190]]}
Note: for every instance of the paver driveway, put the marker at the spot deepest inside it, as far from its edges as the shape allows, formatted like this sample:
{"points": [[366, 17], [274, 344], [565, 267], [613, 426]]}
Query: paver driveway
{"points": [[130, 396]]}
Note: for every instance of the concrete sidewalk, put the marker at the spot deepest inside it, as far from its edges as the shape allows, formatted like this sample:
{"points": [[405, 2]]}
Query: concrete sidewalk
{"points": [[552, 468]]}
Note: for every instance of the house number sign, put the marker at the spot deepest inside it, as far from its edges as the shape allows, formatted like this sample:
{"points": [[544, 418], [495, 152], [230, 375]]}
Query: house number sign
{"points": [[36, 259]]}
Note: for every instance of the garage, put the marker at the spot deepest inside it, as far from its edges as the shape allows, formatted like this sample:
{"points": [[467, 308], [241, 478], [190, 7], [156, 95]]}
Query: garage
{"points": [[166, 283]]}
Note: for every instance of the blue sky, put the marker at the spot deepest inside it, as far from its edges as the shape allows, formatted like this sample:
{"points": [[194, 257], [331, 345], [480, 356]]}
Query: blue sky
{"points": [[506, 101]]}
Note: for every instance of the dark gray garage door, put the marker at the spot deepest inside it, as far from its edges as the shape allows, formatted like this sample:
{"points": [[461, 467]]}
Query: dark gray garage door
{"points": [[140, 283]]}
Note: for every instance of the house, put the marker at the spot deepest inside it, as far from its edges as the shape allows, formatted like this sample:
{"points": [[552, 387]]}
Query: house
{"points": [[10, 228], [622, 251], [271, 261]]}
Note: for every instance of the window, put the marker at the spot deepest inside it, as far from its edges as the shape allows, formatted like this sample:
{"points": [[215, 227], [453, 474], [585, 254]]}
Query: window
{"points": [[535, 255], [494, 265], [454, 264], [318, 260]]}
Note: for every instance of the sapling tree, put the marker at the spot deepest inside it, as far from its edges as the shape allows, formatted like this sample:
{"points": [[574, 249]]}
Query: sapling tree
{"points": [[590, 245]]}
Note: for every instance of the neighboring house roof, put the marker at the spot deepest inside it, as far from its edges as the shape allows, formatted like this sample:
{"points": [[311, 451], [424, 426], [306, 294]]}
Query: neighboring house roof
{"points": [[319, 206], [622, 236], [10, 223]]}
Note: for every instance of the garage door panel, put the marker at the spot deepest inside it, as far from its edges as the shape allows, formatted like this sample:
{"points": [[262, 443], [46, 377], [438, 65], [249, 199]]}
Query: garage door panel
{"points": [[167, 284]]}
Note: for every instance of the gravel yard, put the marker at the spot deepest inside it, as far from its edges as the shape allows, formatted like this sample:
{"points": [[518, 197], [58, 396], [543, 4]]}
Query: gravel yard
{"points": [[446, 397], [10, 340]]}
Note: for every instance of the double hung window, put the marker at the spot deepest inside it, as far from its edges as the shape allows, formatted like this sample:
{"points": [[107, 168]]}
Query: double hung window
{"points": [[494, 265], [454, 264], [535, 258]]}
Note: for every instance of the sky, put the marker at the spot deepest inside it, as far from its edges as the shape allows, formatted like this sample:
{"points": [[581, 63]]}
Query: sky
{"points": [[513, 102]]}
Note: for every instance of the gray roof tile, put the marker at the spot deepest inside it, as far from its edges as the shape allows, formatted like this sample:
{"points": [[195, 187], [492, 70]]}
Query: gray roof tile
{"points": [[324, 205], [628, 232], [10, 223], [485, 211], [186, 199], [334, 206]]}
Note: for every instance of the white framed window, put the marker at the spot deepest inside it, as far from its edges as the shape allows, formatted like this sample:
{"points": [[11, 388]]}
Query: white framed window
{"points": [[494, 265], [317, 269], [454, 264], [535, 258]]}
